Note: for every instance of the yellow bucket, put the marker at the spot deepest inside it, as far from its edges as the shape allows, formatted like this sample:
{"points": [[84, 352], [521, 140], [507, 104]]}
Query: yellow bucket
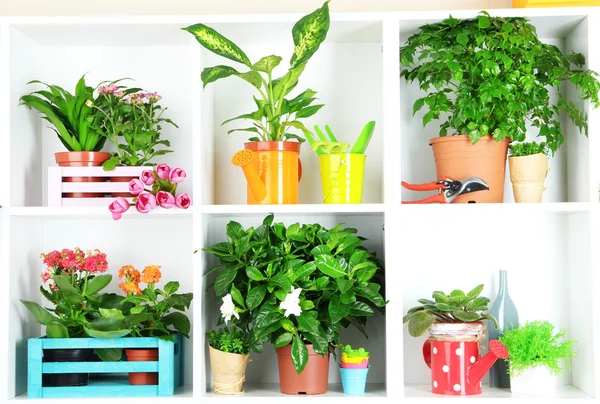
{"points": [[342, 177]]}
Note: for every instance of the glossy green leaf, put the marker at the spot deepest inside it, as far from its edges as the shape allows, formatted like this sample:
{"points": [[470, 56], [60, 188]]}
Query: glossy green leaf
{"points": [[328, 265], [217, 43], [337, 310], [237, 296], [223, 281], [179, 321], [69, 292], [283, 340], [308, 323], [56, 330], [97, 283], [109, 354], [254, 274], [255, 296], [267, 64], [308, 33], [299, 354], [41, 315], [361, 309]]}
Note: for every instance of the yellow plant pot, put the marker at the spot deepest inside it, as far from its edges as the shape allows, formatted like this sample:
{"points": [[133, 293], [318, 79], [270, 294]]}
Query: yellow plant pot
{"points": [[352, 359], [342, 177]]}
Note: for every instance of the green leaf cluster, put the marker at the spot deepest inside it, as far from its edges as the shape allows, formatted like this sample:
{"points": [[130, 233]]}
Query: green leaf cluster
{"points": [[276, 116], [528, 149], [492, 76], [537, 344], [72, 116], [457, 307], [230, 340], [341, 283]]}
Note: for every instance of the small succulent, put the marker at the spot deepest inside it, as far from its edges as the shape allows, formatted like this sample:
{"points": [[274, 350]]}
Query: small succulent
{"points": [[457, 307]]}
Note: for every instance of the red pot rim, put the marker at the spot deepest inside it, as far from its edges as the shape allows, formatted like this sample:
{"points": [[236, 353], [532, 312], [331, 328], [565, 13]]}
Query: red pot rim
{"points": [[273, 146], [463, 138]]}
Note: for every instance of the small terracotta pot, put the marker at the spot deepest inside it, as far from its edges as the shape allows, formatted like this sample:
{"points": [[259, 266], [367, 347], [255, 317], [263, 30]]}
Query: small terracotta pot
{"points": [[314, 379], [122, 179], [457, 158], [82, 159], [142, 355]]}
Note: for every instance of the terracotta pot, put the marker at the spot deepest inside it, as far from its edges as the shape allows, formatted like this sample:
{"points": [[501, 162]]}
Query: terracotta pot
{"points": [[527, 174], [81, 159], [313, 379], [122, 179], [142, 355], [457, 158], [229, 371]]}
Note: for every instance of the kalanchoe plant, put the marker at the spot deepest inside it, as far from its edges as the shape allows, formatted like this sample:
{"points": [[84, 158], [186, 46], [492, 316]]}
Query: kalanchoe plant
{"points": [[528, 149], [230, 340], [130, 119], [296, 285], [457, 307], [276, 116], [493, 76], [537, 344], [72, 116]]}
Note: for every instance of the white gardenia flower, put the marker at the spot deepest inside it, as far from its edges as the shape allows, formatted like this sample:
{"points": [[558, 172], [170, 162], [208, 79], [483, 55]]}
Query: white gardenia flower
{"points": [[228, 309], [291, 304]]}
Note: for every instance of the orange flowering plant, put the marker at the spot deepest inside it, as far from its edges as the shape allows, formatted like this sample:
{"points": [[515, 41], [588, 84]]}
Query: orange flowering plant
{"points": [[152, 312]]}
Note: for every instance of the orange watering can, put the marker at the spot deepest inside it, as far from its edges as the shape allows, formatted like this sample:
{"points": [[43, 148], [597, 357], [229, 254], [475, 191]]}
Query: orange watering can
{"points": [[272, 170]]}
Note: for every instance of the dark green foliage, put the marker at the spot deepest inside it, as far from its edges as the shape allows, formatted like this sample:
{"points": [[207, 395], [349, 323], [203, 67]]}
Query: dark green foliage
{"points": [[528, 149], [229, 340]]}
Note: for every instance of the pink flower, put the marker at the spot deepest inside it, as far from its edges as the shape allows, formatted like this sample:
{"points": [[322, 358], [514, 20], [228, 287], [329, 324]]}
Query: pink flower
{"points": [[118, 207], [163, 171], [153, 97], [119, 94], [182, 201], [147, 177], [108, 89], [177, 175], [95, 262], [127, 100], [165, 199], [145, 202], [136, 186]]}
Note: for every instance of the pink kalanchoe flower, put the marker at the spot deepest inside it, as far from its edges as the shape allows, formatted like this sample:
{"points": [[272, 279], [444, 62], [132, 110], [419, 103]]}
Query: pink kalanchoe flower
{"points": [[119, 94], [177, 175], [118, 207], [165, 199], [153, 97], [163, 171], [95, 262], [147, 177], [136, 186], [145, 202], [182, 201], [108, 89], [127, 100]]}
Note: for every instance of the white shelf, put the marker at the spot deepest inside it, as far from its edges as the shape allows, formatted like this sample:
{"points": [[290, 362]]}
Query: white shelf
{"points": [[222, 210], [271, 391], [183, 395], [423, 391], [96, 212], [501, 208]]}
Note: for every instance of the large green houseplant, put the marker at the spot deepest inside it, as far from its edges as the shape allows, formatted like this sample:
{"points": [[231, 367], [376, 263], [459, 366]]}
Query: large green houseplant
{"points": [[488, 78], [277, 118], [297, 286]]}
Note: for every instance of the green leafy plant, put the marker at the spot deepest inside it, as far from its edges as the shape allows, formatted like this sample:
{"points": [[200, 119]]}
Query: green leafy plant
{"points": [[296, 285], [71, 115], [229, 340], [275, 116], [528, 149], [457, 307], [492, 76], [536, 344]]}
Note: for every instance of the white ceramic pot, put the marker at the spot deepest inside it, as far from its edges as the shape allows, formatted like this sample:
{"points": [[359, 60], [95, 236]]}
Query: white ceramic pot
{"points": [[538, 381]]}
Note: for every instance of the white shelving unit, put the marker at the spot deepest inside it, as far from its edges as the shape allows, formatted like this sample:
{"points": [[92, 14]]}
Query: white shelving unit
{"points": [[547, 247]]}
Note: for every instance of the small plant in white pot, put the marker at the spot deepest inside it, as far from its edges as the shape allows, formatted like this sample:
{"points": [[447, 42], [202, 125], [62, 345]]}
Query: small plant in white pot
{"points": [[535, 355], [528, 164]]}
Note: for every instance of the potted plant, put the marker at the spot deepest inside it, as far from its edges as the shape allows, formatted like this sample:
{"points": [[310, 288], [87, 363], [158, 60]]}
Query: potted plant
{"points": [[455, 324], [149, 313], [488, 77], [296, 287], [354, 369], [536, 351], [528, 166], [73, 119], [271, 166], [74, 279], [229, 349], [131, 119]]}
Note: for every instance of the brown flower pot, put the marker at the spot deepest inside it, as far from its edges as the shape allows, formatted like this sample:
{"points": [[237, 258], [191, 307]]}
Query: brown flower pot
{"points": [[229, 371], [313, 379], [122, 179], [142, 355], [457, 158], [81, 159], [527, 174]]}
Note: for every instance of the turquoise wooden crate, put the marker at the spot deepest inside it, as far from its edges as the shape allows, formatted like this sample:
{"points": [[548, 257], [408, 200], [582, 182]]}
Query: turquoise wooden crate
{"points": [[102, 382]]}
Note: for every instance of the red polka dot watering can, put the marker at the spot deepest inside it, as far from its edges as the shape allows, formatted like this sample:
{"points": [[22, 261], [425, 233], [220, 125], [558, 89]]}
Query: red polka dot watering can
{"points": [[452, 353]]}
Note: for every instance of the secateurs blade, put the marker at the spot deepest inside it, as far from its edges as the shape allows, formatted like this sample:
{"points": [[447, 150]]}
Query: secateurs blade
{"points": [[448, 189]]}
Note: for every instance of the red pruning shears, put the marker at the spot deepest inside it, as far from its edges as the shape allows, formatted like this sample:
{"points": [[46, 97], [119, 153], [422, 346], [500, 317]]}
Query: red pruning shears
{"points": [[448, 189]]}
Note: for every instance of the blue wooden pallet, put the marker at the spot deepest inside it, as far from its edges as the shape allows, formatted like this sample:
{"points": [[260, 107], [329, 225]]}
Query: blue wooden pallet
{"points": [[169, 367]]}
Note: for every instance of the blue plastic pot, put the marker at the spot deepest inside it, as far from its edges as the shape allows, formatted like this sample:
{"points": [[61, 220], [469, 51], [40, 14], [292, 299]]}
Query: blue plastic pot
{"points": [[354, 381]]}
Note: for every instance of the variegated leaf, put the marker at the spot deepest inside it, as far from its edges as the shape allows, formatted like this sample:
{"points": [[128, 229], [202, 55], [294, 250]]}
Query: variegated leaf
{"points": [[308, 33], [267, 64], [212, 74], [217, 43]]}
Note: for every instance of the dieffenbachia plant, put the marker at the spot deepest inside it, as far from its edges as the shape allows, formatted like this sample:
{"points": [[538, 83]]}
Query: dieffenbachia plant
{"points": [[296, 285], [276, 115], [457, 307]]}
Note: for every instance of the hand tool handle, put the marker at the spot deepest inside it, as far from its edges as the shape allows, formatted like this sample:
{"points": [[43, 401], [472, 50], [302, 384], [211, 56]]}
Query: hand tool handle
{"points": [[439, 198], [429, 186]]}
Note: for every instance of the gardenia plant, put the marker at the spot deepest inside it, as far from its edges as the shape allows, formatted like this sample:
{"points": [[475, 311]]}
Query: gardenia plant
{"points": [[276, 115], [296, 285], [493, 76]]}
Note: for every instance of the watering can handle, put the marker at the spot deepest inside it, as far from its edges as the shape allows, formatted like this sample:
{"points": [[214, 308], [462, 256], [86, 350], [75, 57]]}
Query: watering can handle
{"points": [[299, 170], [427, 353]]}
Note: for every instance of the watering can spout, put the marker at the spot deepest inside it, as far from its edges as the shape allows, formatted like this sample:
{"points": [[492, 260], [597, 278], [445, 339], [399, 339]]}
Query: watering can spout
{"points": [[479, 369], [243, 159]]}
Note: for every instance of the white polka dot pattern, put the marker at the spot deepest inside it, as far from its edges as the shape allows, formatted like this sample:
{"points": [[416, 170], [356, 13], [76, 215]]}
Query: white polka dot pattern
{"points": [[445, 368], [472, 359], [435, 384], [459, 352], [457, 387], [434, 350]]}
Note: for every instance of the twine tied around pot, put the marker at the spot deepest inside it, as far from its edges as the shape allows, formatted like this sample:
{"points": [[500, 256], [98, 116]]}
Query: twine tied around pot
{"points": [[229, 371], [456, 332]]}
